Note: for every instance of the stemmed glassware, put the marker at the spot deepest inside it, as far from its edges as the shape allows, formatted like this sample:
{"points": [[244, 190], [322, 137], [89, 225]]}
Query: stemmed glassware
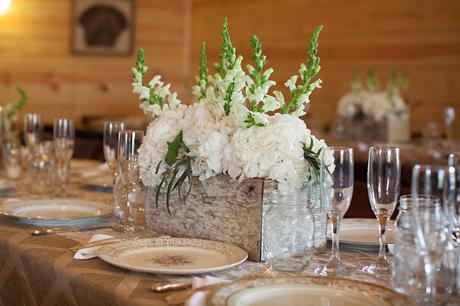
{"points": [[33, 130], [383, 187], [111, 132], [132, 209], [336, 193], [64, 142]]}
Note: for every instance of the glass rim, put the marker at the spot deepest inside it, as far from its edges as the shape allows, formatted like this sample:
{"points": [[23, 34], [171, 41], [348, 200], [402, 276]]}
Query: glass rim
{"points": [[344, 148], [385, 147]]}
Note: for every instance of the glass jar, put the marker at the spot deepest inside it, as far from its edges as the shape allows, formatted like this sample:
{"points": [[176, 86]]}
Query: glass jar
{"points": [[407, 271], [288, 237], [12, 160], [41, 169]]}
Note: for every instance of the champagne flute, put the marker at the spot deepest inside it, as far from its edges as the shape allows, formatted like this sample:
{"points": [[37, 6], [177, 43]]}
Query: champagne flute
{"points": [[64, 142], [33, 130], [383, 187], [336, 192], [132, 216], [111, 131]]}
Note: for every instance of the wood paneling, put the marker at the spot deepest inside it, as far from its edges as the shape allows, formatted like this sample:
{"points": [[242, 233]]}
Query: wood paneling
{"points": [[420, 36], [35, 53]]}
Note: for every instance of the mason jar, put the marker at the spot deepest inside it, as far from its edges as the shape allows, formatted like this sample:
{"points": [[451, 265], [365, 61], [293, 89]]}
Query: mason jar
{"points": [[288, 231], [41, 169]]}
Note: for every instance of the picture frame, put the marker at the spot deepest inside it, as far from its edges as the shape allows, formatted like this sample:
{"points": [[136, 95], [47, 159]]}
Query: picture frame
{"points": [[103, 27]]}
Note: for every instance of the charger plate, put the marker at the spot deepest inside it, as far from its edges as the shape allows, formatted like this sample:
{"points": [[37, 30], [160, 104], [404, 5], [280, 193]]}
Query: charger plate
{"points": [[362, 234], [168, 255], [56, 212], [305, 291]]}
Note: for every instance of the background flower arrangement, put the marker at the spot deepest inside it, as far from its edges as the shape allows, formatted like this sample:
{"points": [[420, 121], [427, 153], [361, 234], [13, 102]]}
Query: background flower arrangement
{"points": [[237, 125], [370, 101]]}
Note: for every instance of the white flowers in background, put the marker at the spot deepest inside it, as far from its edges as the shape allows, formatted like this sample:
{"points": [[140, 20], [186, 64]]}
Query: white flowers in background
{"points": [[372, 102], [236, 126]]}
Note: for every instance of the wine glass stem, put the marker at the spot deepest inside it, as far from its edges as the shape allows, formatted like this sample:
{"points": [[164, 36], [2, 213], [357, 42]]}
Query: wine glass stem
{"points": [[430, 279], [335, 226], [382, 237]]}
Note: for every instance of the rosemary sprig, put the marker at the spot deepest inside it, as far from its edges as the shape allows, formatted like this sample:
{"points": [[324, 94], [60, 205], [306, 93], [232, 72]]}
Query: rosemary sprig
{"points": [[307, 72], [313, 158], [176, 178]]}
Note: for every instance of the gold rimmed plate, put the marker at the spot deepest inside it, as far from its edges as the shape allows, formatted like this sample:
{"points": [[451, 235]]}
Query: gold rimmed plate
{"points": [[168, 255], [305, 291]]}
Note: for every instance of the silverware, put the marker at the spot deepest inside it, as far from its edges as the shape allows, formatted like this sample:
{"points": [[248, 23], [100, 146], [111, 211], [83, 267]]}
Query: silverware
{"points": [[40, 231], [114, 240], [179, 298], [171, 286]]}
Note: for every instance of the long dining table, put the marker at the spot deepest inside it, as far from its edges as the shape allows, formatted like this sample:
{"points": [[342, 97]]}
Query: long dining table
{"points": [[41, 270]]}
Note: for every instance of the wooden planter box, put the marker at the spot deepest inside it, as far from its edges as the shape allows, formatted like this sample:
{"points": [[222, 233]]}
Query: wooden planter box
{"points": [[219, 209]]}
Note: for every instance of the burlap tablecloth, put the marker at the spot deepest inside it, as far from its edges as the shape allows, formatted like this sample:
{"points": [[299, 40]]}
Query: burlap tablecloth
{"points": [[41, 270]]}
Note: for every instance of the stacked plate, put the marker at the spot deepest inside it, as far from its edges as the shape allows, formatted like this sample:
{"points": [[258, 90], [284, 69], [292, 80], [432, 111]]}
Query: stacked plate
{"points": [[305, 291], [56, 212], [362, 234]]}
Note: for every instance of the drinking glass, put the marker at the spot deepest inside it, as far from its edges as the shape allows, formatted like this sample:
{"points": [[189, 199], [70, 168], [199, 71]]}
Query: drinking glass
{"points": [[336, 193], [383, 186], [64, 140], [431, 238], [41, 169], [111, 131], [12, 160], [132, 216], [453, 213], [33, 130]]}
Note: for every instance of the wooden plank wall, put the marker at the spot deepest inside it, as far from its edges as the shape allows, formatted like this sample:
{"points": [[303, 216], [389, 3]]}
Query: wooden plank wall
{"points": [[420, 36], [35, 54]]}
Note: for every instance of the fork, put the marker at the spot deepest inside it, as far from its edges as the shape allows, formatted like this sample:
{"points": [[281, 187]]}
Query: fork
{"points": [[179, 298]]}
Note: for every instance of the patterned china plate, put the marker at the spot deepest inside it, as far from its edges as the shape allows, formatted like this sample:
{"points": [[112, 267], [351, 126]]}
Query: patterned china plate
{"points": [[56, 212], [362, 234], [305, 291], [168, 255]]}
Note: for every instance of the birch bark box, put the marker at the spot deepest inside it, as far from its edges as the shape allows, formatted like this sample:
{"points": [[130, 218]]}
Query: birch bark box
{"points": [[219, 209]]}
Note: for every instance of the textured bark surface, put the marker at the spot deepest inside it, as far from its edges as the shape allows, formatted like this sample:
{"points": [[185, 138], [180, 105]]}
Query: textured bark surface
{"points": [[218, 209]]}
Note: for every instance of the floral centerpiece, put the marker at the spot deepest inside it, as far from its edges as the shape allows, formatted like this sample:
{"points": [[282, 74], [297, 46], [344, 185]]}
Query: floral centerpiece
{"points": [[238, 129], [369, 104], [237, 125]]}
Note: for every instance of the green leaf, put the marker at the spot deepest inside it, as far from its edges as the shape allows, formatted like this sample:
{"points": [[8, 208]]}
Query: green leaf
{"points": [[18, 105], [173, 150]]}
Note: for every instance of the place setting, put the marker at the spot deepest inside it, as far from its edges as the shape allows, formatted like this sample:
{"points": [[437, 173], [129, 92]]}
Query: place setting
{"points": [[251, 183]]}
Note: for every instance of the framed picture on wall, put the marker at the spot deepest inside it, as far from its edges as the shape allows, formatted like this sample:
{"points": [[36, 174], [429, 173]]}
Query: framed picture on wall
{"points": [[103, 27]]}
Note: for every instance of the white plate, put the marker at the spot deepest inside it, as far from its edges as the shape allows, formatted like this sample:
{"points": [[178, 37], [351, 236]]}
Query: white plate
{"points": [[362, 233], [56, 212], [172, 255], [304, 291]]}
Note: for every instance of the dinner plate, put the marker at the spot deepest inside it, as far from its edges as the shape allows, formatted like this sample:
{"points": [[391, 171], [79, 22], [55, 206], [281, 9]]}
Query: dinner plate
{"points": [[168, 255], [362, 234], [98, 183], [304, 291], [56, 212]]}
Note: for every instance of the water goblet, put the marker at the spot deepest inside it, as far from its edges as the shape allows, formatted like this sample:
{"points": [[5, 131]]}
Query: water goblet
{"points": [[111, 134], [64, 141], [132, 216], [383, 187], [33, 130], [336, 194]]}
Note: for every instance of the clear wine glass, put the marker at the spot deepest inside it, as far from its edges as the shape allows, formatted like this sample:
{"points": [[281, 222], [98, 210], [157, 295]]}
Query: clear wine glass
{"points": [[64, 142], [111, 134], [132, 209], [33, 130], [383, 187], [431, 239], [336, 193], [452, 198]]}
